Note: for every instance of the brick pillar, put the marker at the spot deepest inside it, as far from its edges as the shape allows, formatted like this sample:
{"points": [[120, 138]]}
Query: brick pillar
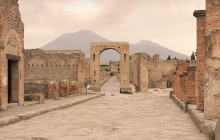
{"points": [[192, 85], [182, 85], [53, 90], [181, 68], [64, 88], [185, 87], [143, 73], [212, 73], [73, 88], [81, 77], [200, 71], [174, 81]]}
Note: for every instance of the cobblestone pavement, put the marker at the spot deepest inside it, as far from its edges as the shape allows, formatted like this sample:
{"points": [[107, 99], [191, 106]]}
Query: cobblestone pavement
{"points": [[51, 103], [112, 117]]}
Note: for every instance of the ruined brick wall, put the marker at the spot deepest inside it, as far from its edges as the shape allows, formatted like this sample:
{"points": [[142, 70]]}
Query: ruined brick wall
{"points": [[42, 66], [177, 82], [161, 72], [212, 73], [11, 48], [184, 83]]}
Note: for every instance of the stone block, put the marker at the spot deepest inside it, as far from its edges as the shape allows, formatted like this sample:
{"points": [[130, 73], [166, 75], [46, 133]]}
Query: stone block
{"points": [[64, 88], [53, 90], [73, 88], [217, 131], [34, 97]]}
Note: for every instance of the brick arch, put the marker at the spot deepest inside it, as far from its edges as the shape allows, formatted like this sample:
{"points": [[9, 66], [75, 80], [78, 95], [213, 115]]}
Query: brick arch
{"points": [[110, 48], [95, 51]]}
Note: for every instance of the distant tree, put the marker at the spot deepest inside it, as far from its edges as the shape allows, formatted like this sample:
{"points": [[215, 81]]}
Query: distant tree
{"points": [[175, 58], [187, 60], [169, 58], [193, 56]]}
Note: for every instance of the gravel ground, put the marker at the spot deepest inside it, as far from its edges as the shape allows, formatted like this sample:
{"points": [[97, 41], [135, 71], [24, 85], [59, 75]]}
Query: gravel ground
{"points": [[112, 117]]}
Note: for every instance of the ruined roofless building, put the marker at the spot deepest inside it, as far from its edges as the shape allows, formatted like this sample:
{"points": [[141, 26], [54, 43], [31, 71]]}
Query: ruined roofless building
{"points": [[11, 54]]}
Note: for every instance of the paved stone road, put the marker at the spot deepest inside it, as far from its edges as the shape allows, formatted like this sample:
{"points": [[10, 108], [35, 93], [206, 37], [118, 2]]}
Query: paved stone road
{"points": [[118, 117]]}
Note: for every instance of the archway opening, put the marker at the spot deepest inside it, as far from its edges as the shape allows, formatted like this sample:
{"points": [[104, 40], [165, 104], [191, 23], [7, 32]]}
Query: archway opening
{"points": [[109, 64]]}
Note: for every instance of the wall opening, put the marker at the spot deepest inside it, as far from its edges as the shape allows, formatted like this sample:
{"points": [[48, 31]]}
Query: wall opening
{"points": [[125, 57], [109, 63], [13, 81], [93, 57]]}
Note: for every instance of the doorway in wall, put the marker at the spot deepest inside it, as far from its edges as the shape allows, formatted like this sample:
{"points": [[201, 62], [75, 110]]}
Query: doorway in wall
{"points": [[13, 79]]}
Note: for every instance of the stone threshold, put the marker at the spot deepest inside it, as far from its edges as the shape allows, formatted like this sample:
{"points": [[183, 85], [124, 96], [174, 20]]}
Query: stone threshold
{"points": [[206, 127], [30, 114]]}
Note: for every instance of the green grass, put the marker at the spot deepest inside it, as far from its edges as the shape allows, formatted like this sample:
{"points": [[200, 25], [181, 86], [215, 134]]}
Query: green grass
{"points": [[211, 135]]}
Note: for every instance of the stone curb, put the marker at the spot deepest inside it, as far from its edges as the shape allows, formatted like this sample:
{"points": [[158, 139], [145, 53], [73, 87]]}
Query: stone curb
{"points": [[206, 126], [31, 114]]}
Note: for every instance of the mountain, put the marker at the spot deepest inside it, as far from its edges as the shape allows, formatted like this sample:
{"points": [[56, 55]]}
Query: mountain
{"points": [[75, 41], [152, 48], [81, 41]]}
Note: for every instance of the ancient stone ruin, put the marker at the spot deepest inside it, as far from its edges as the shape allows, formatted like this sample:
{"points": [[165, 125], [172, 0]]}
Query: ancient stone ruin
{"points": [[95, 51], [37, 74], [11, 54], [205, 76], [45, 66]]}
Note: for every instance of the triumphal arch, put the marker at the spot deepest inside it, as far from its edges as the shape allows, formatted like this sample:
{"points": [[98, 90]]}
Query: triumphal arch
{"points": [[95, 51]]}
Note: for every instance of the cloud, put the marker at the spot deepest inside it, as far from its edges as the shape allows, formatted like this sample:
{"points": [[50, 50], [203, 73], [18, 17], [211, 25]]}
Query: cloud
{"points": [[166, 22]]}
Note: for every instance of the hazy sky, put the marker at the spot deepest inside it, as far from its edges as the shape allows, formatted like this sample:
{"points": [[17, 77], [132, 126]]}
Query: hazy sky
{"points": [[166, 22]]}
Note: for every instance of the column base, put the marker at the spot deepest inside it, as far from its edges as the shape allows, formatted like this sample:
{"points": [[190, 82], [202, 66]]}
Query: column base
{"points": [[126, 90]]}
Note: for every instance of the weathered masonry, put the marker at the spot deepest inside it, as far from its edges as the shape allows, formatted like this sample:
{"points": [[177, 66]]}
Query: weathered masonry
{"points": [[200, 71], [51, 68], [212, 62], [11, 54], [208, 63], [161, 72], [139, 72], [95, 50], [184, 86]]}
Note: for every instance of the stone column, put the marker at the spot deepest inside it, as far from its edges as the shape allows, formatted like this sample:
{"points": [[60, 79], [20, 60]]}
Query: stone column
{"points": [[212, 73], [3, 80], [200, 54]]}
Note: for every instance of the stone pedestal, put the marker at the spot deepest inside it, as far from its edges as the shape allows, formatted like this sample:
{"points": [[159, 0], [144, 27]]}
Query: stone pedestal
{"points": [[64, 88], [53, 90]]}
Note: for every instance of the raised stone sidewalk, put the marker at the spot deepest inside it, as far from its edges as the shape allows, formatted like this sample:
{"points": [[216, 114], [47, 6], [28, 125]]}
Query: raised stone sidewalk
{"points": [[207, 127], [19, 113]]}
